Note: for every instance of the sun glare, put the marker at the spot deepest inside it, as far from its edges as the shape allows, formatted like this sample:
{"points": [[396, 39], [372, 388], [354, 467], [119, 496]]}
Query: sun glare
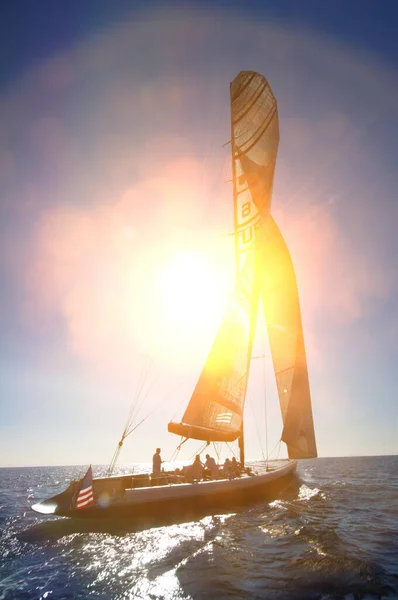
{"points": [[193, 291]]}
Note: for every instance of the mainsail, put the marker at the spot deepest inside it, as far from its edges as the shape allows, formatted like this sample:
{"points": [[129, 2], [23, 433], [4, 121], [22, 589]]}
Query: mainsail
{"points": [[283, 318], [215, 411]]}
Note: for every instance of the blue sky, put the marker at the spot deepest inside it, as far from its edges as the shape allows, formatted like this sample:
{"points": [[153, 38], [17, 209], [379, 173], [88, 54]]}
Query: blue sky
{"points": [[112, 172]]}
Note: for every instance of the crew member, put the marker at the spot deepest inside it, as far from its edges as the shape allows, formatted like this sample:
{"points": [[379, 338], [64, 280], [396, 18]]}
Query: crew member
{"points": [[195, 471], [212, 466], [156, 463]]}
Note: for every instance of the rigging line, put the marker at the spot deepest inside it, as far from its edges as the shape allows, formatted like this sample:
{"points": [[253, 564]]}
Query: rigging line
{"points": [[141, 404], [177, 451], [279, 447], [256, 425], [138, 424], [231, 449], [146, 417], [200, 451], [141, 384], [131, 414], [119, 447], [210, 186], [130, 419], [183, 440], [219, 189], [217, 452], [278, 444], [174, 456], [206, 160], [216, 188], [172, 393], [265, 399], [114, 460], [225, 109], [176, 388], [138, 388]]}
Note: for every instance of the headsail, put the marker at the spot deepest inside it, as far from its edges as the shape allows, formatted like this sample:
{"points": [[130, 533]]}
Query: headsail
{"points": [[283, 318]]}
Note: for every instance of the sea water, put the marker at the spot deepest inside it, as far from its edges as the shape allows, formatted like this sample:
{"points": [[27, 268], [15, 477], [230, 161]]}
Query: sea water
{"points": [[332, 534]]}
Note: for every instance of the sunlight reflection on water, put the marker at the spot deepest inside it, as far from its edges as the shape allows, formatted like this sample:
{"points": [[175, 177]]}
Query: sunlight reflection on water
{"points": [[305, 493], [147, 562]]}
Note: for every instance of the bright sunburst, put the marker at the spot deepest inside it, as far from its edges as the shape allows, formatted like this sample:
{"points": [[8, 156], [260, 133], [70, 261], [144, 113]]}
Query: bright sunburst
{"points": [[193, 291]]}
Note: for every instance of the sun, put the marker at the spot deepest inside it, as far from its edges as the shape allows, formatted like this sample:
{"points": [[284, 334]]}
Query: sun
{"points": [[193, 291]]}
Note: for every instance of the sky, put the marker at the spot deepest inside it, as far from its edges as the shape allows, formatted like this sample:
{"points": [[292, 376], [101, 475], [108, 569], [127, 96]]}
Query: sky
{"points": [[116, 259]]}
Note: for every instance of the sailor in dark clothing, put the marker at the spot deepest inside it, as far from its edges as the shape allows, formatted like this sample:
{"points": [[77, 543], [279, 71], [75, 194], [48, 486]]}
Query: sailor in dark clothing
{"points": [[227, 468], [156, 463], [194, 472], [212, 466], [235, 467]]}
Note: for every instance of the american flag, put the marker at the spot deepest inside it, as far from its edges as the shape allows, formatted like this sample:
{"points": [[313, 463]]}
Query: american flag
{"points": [[85, 496]]}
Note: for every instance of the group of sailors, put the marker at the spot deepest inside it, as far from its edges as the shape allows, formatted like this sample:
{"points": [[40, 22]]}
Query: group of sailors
{"points": [[198, 470]]}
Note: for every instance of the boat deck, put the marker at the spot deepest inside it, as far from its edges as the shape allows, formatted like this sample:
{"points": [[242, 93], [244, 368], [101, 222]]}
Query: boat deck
{"points": [[136, 496]]}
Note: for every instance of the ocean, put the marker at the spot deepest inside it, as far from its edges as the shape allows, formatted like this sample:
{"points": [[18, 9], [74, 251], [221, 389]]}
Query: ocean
{"points": [[332, 534]]}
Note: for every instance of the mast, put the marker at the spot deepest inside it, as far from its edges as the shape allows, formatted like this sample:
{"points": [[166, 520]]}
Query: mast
{"points": [[241, 443], [241, 439]]}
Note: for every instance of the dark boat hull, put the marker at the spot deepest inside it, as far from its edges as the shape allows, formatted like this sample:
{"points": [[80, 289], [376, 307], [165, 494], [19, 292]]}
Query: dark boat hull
{"points": [[177, 501]]}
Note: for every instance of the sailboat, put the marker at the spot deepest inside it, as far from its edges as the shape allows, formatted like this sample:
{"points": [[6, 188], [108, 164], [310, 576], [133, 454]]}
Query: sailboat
{"points": [[265, 278]]}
